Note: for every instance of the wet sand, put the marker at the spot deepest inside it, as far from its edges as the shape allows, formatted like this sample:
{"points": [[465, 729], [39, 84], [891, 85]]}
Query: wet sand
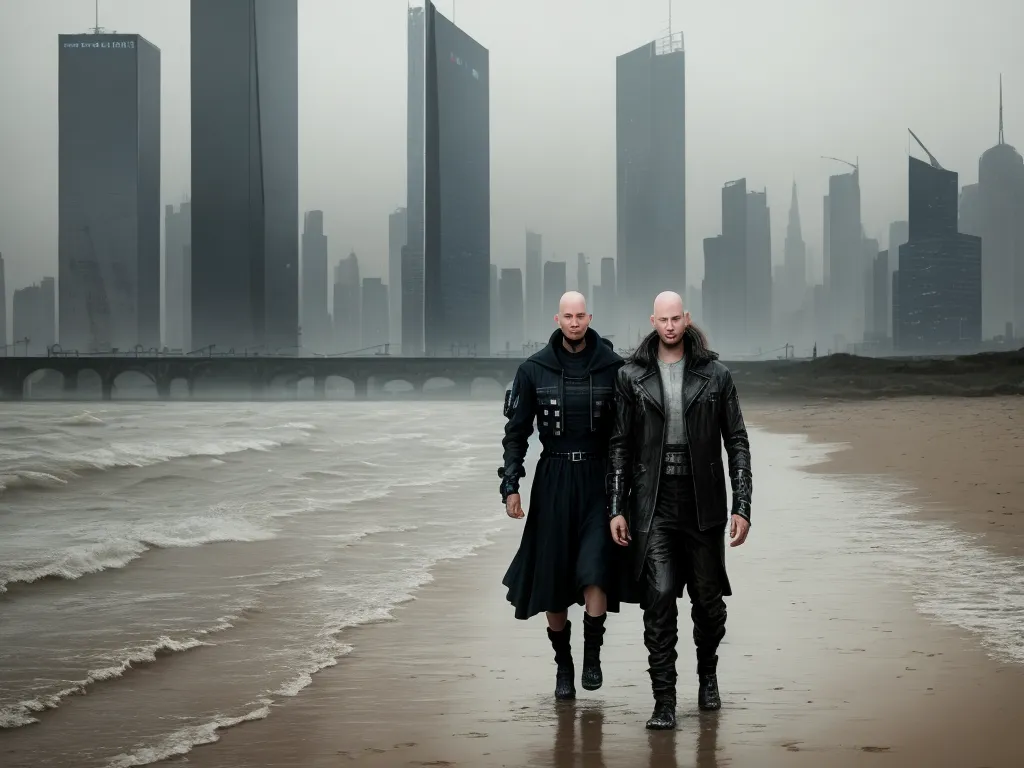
{"points": [[963, 456], [826, 663]]}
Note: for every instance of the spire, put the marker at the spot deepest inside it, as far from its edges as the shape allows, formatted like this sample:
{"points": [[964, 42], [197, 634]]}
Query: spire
{"points": [[1001, 141], [793, 231]]}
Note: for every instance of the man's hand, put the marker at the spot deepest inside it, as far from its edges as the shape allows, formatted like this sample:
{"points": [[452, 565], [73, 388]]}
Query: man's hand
{"points": [[738, 530], [514, 506], [620, 531]]}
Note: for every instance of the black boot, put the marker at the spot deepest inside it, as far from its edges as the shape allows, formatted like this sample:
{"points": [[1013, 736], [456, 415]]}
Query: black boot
{"points": [[708, 697], [660, 636], [664, 716], [565, 688], [593, 637]]}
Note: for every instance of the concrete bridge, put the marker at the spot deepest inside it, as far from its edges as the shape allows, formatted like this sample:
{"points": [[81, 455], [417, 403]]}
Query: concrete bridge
{"points": [[259, 373]]}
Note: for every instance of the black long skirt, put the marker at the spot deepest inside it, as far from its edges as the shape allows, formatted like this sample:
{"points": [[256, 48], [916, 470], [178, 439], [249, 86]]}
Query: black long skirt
{"points": [[566, 544]]}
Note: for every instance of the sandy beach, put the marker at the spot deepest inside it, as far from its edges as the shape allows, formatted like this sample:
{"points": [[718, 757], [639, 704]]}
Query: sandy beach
{"points": [[830, 658]]}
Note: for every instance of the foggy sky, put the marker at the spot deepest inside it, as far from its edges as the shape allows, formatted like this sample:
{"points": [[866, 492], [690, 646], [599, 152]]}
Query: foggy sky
{"points": [[767, 95]]}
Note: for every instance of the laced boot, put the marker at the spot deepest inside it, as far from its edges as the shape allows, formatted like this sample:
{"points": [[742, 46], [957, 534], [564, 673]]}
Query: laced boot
{"points": [[708, 697], [593, 637], [565, 687]]}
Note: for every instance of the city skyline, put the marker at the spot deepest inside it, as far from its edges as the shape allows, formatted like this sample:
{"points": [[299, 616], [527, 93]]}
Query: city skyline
{"points": [[532, 194]]}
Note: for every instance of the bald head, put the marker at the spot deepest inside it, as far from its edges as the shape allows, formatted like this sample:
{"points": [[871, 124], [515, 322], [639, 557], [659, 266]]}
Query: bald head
{"points": [[668, 303], [572, 315], [670, 320], [572, 302]]}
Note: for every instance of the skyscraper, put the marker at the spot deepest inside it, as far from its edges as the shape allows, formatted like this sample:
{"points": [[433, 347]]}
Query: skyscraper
{"points": [[759, 270], [108, 191], [178, 277], [510, 298], [398, 233], [245, 209], [845, 266], [534, 287], [374, 315], [492, 302], [937, 305], [3, 310], [651, 173], [316, 320], [415, 169], [347, 305], [583, 275], [554, 287], [1001, 205], [899, 233], [34, 317], [726, 272], [457, 190], [792, 288]]}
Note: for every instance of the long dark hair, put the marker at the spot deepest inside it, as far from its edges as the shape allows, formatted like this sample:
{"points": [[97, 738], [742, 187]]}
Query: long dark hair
{"points": [[695, 347]]}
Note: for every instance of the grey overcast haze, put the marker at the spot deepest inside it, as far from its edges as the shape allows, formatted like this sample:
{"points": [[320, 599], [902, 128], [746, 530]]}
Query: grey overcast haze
{"points": [[771, 87]]}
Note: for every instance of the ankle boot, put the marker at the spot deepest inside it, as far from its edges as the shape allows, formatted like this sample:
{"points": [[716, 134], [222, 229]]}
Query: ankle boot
{"points": [[708, 697], [664, 716], [593, 637], [565, 687]]}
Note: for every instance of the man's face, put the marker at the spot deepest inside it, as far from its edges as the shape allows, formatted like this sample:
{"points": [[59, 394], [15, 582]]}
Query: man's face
{"points": [[670, 322], [574, 320]]}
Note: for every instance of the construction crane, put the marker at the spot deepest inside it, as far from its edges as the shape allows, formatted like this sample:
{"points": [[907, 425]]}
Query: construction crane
{"points": [[855, 166], [931, 157]]}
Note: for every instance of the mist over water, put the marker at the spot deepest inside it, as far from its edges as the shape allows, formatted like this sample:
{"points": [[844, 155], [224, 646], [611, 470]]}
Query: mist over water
{"points": [[192, 567]]}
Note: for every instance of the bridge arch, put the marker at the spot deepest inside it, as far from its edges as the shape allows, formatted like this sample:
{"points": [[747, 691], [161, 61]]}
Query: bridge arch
{"points": [[133, 384]]}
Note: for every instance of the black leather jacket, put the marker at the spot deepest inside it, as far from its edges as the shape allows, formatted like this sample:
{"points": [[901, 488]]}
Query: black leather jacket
{"points": [[712, 416], [537, 392]]}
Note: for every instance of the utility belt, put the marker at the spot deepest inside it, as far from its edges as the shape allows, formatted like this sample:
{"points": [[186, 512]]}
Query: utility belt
{"points": [[573, 455], [676, 461]]}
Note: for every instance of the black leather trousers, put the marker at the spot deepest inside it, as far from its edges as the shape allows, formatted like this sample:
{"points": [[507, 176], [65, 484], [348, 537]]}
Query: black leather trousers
{"points": [[680, 554]]}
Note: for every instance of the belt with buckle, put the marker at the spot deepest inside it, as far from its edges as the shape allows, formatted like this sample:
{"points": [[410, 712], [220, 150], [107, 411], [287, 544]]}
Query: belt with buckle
{"points": [[676, 462], [572, 455]]}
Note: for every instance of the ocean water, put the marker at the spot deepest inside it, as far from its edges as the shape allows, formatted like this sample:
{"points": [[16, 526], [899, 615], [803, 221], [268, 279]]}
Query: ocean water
{"points": [[189, 567]]}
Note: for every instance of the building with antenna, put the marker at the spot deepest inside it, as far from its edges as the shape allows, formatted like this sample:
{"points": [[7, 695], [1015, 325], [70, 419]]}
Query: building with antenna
{"points": [[108, 191], [1000, 222], [650, 138], [937, 288]]}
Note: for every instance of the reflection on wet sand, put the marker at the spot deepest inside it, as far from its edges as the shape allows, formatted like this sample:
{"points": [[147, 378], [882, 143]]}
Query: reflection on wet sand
{"points": [[662, 746]]}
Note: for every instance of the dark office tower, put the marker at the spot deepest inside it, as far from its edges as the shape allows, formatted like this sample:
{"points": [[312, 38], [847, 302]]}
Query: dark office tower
{"points": [[315, 329], [34, 317], [3, 310], [457, 197], [605, 299], [245, 161], [870, 253], [412, 253], [970, 218], [109, 192], [1001, 179], [725, 290], [759, 269], [510, 299], [881, 280], [554, 287], [374, 314], [650, 130], [583, 275], [177, 276], [846, 259], [937, 303], [347, 303], [398, 232], [535, 325], [492, 302], [899, 233], [826, 250]]}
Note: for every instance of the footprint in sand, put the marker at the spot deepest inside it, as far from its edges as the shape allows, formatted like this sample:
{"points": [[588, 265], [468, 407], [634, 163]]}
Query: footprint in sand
{"points": [[472, 735], [436, 763], [792, 746], [404, 745], [875, 749]]}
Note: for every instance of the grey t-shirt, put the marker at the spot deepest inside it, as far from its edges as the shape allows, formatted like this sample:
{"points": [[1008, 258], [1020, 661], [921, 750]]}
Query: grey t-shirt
{"points": [[672, 387]]}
